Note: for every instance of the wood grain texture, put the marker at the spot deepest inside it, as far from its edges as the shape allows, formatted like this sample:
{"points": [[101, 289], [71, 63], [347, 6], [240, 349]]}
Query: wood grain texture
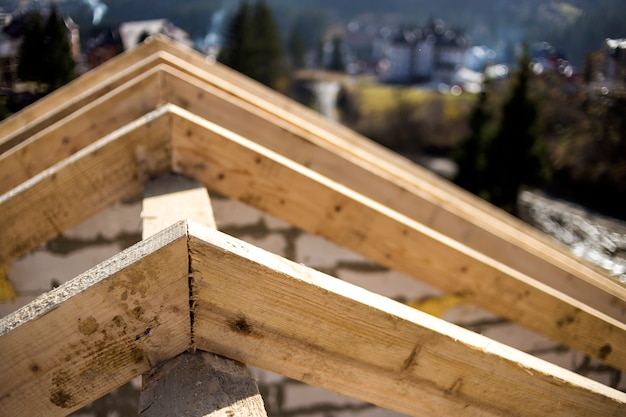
{"points": [[424, 196], [78, 130], [345, 156], [261, 309], [241, 169], [107, 171], [97, 331]]}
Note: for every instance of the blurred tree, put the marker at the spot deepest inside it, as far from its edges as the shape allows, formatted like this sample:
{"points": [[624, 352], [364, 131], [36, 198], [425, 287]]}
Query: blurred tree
{"points": [[59, 64], [515, 156], [45, 54], [297, 48], [31, 49], [336, 58], [253, 45], [470, 155]]}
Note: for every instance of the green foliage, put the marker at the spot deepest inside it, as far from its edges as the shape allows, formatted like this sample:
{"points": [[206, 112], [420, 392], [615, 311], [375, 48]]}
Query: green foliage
{"points": [[45, 53], [514, 156], [503, 151], [336, 58], [470, 154], [297, 48], [253, 44]]}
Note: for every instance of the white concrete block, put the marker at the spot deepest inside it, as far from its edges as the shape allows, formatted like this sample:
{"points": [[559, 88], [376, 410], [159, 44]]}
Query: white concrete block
{"points": [[232, 213], [319, 253], [111, 222], [35, 272]]}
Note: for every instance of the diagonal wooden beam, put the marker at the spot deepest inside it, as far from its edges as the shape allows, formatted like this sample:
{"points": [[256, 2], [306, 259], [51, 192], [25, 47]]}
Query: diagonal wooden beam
{"points": [[90, 180], [242, 169], [259, 308], [98, 331], [225, 98]]}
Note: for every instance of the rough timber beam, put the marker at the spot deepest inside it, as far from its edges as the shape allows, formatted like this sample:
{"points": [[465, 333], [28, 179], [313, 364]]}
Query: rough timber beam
{"points": [[132, 312], [330, 149], [98, 331], [90, 180], [261, 309], [241, 169]]}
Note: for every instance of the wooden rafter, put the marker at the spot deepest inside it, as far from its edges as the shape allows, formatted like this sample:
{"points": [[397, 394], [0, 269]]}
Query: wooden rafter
{"points": [[226, 98], [242, 169], [116, 320]]}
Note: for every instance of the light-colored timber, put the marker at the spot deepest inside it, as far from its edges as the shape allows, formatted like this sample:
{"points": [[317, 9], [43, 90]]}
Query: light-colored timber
{"points": [[242, 169], [109, 170], [98, 331], [417, 196], [195, 383], [116, 320]]}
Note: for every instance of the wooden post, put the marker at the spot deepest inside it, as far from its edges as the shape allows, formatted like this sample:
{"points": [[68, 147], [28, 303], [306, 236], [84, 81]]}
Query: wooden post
{"points": [[194, 383]]}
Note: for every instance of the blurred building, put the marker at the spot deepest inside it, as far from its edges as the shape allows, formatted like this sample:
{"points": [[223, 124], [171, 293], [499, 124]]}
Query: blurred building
{"points": [[615, 50]]}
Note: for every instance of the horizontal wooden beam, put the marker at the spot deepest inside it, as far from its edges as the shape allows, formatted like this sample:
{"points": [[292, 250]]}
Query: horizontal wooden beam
{"points": [[242, 169], [90, 180], [263, 310], [98, 331]]}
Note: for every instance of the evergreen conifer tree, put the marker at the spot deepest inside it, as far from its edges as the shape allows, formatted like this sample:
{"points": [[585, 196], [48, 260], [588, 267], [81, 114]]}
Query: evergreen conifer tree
{"points": [[515, 156], [470, 156], [31, 49], [253, 45], [45, 53], [57, 60]]}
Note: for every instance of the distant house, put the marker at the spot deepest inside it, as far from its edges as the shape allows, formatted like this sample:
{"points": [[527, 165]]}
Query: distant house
{"points": [[103, 44], [432, 53], [134, 33]]}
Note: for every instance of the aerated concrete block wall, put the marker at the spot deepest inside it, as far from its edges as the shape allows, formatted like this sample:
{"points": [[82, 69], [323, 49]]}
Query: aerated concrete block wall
{"points": [[118, 227]]}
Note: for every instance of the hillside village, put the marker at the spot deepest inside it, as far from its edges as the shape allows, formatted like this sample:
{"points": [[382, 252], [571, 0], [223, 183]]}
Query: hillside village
{"points": [[434, 53]]}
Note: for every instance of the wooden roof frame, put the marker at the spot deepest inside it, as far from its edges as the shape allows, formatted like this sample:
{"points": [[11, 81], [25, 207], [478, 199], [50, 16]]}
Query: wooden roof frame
{"points": [[98, 140], [124, 316]]}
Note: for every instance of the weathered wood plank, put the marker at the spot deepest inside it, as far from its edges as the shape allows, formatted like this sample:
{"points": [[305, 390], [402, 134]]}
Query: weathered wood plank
{"points": [[91, 122], [261, 309], [97, 331], [107, 171], [241, 169]]}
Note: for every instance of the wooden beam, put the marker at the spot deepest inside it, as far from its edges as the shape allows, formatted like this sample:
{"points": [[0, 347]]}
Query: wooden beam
{"points": [[261, 309], [80, 129], [107, 171], [98, 331], [241, 169], [195, 383], [422, 195], [346, 157]]}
